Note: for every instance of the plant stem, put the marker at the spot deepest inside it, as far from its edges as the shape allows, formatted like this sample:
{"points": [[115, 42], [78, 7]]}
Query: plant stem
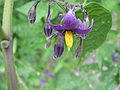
{"points": [[7, 45], [66, 4]]}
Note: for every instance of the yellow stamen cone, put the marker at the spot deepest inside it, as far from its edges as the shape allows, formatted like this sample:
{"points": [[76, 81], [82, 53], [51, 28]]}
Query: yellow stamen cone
{"points": [[69, 38]]}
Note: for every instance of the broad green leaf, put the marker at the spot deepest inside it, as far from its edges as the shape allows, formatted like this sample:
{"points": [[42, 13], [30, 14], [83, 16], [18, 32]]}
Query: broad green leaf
{"points": [[102, 24]]}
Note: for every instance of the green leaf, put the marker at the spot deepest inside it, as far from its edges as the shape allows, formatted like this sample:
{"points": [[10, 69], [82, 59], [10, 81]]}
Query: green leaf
{"points": [[102, 25]]}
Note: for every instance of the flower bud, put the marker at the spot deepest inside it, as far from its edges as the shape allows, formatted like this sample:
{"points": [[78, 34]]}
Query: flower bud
{"points": [[59, 48], [47, 29], [79, 49], [32, 15], [32, 12]]}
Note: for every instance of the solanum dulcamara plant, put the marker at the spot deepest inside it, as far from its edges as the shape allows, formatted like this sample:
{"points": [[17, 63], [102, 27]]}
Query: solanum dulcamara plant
{"points": [[66, 30]]}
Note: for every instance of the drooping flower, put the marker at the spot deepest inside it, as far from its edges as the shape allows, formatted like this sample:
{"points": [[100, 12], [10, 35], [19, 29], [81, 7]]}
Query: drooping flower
{"points": [[71, 25]]}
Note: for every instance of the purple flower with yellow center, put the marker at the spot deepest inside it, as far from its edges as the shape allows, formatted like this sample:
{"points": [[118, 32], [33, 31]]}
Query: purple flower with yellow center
{"points": [[71, 25]]}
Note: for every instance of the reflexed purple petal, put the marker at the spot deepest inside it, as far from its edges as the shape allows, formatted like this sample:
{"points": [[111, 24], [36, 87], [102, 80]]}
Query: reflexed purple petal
{"points": [[80, 24], [59, 47], [70, 20], [57, 27], [79, 49], [43, 80], [84, 31], [84, 27], [113, 57]]}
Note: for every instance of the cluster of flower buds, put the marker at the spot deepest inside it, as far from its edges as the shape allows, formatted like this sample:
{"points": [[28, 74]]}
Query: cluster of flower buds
{"points": [[70, 26]]}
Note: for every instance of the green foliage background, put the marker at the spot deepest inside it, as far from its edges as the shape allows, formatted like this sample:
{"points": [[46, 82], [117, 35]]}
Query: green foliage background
{"points": [[95, 71]]}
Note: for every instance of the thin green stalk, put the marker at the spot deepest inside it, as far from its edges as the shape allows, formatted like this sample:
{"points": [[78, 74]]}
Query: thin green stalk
{"points": [[7, 45]]}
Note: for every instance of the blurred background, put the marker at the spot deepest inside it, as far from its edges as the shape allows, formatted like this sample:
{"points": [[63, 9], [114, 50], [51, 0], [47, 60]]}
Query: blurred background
{"points": [[99, 70]]}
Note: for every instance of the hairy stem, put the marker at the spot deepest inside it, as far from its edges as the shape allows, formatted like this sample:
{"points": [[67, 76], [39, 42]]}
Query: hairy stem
{"points": [[7, 45]]}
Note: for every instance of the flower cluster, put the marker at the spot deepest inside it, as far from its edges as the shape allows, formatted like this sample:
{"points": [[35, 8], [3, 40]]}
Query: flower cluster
{"points": [[70, 26], [47, 73], [115, 56]]}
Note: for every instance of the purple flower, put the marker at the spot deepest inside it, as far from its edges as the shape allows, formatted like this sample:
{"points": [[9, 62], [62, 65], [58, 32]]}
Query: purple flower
{"points": [[46, 72], [70, 26], [52, 75], [113, 57], [43, 80]]}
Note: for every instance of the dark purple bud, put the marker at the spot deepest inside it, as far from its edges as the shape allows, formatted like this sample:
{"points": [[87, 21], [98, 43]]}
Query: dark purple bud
{"points": [[79, 49], [43, 80], [59, 47], [47, 29], [32, 12], [52, 75], [32, 15], [113, 57]]}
